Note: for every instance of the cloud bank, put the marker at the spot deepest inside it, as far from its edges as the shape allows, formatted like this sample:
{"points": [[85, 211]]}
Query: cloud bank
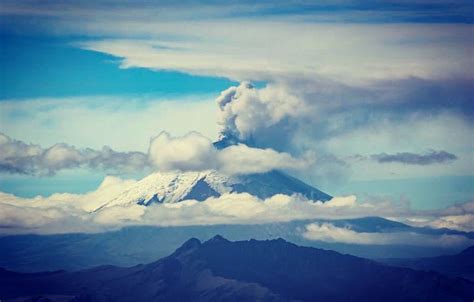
{"points": [[327, 232], [311, 49], [66, 213], [191, 152], [63, 213], [19, 157]]}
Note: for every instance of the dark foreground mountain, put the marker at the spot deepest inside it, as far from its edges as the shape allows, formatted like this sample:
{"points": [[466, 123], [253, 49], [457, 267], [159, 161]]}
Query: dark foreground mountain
{"points": [[458, 265], [221, 270]]}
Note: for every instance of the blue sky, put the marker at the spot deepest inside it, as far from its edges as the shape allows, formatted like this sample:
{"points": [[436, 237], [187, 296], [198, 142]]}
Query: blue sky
{"points": [[389, 78], [41, 66]]}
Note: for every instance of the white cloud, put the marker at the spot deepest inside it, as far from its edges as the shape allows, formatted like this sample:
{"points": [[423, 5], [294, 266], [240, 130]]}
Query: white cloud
{"points": [[463, 222], [64, 213], [86, 213], [342, 124], [297, 120], [75, 204], [123, 123], [194, 152], [244, 41], [241, 159], [379, 61], [244, 109], [20, 157], [348, 201], [62, 156], [256, 51], [233, 41], [191, 152], [327, 232], [458, 217]]}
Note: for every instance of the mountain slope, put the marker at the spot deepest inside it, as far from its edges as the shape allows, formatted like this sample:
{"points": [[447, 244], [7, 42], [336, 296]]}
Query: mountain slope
{"points": [[459, 265], [221, 270], [171, 187]]}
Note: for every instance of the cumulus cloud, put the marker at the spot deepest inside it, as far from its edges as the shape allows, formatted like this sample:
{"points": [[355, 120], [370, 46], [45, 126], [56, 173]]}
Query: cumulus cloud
{"points": [[64, 213], [317, 92], [19, 157], [327, 118], [241, 159], [244, 109], [96, 212], [433, 157], [191, 152], [328, 232], [87, 212], [194, 152], [337, 121], [243, 208]]}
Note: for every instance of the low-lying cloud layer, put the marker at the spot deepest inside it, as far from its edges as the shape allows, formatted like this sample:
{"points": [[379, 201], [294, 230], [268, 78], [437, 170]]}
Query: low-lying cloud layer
{"points": [[328, 232], [64, 213]]}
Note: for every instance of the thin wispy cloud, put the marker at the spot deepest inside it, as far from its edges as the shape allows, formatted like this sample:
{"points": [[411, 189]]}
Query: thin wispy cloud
{"points": [[205, 42], [408, 158]]}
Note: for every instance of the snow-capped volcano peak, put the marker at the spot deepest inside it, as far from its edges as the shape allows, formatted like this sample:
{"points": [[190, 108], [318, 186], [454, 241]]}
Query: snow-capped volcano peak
{"points": [[172, 187]]}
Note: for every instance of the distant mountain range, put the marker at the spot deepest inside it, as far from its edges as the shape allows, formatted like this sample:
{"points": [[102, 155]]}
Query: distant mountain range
{"points": [[458, 265], [142, 244], [221, 270]]}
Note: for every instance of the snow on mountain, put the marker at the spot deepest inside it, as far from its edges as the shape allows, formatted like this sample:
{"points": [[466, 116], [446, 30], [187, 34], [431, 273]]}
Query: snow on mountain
{"points": [[172, 187]]}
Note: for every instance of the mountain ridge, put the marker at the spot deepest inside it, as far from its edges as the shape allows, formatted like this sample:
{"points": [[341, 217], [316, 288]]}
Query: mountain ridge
{"points": [[250, 270], [457, 265], [142, 244]]}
